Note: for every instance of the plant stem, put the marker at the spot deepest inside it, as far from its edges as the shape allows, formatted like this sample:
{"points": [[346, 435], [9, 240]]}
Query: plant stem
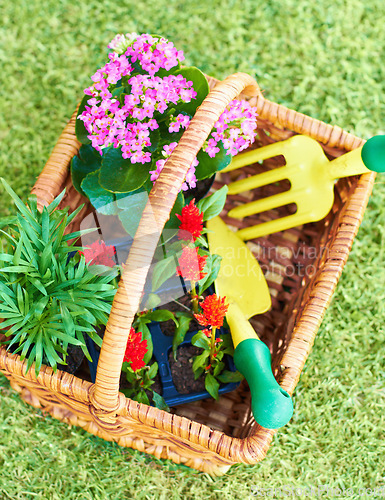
{"points": [[194, 297], [212, 345]]}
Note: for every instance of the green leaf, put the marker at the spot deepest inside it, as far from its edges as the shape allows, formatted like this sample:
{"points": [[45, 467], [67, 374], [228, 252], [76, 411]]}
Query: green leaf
{"points": [[45, 259], [68, 323], [218, 367], [184, 320], [39, 353], [209, 166], [102, 200], [154, 139], [55, 203], [201, 340], [153, 301], [20, 205], [80, 130], [141, 397], [161, 315], [119, 175], [17, 254], [133, 206], [173, 221], [213, 264], [88, 161], [200, 361], [200, 85], [153, 370], [45, 225], [146, 335], [159, 402], [227, 377], [211, 385], [15, 269], [212, 205], [201, 241], [162, 271], [31, 359]]}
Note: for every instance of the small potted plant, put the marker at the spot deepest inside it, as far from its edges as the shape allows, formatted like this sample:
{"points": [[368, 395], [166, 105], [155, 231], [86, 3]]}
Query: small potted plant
{"points": [[50, 299]]}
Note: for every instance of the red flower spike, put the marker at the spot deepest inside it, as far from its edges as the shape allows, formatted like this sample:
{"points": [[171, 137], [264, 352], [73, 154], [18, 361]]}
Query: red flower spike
{"points": [[214, 311], [191, 264], [207, 332], [191, 222], [135, 350], [99, 253]]}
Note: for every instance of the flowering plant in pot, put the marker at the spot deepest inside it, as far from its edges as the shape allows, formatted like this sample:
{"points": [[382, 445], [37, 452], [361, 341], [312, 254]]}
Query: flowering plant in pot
{"points": [[152, 349], [133, 116]]}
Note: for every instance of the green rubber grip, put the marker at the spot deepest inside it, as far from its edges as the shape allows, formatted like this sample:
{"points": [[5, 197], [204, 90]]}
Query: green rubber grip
{"points": [[373, 153], [272, 406]]}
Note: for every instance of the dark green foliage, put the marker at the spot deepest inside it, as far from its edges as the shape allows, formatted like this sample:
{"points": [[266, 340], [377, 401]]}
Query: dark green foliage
{"points": [[49, 298]]}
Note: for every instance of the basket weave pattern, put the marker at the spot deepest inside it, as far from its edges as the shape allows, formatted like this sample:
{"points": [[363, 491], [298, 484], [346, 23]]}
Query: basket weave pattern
{"points": [[209, 435]]}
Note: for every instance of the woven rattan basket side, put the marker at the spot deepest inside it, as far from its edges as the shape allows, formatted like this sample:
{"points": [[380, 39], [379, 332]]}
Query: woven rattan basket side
{"points": [[209, 436]]}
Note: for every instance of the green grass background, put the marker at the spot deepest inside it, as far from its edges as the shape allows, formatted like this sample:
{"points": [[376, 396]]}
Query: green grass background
{"points": [[325, 59]]}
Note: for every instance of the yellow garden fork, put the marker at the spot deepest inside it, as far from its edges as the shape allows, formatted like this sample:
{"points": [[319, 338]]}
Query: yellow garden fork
{"points": [[312, 177]]}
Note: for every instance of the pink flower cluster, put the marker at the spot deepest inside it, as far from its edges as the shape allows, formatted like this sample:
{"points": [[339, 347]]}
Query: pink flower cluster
{"points": [[126, 120], [152, 53], [190, 181], [128, 125], [235, 128]]}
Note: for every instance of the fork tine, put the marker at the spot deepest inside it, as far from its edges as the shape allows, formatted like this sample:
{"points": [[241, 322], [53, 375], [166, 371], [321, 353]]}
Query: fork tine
{"points": [[258, 180], [258, 206], [274, 149], [272, 226]]}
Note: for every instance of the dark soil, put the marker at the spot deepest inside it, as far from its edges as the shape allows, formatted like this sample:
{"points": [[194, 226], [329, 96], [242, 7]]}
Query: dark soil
{"points": [[74, 359], [182, 372]]}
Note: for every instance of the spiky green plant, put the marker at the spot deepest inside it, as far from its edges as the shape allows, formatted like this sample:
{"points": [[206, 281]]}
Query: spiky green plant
{"points": [[49, 297]]}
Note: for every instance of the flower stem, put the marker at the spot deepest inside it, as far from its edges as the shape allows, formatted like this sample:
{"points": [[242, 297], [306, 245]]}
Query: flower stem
{"points": [[194, 297], [212, 345]]}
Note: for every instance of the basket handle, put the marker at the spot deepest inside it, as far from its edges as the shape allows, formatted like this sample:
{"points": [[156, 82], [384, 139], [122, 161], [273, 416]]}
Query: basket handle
{"points": [[105, 393]]}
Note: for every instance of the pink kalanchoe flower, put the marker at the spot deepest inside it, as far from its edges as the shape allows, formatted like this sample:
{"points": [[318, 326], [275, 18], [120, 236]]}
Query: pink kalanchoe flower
{"points": [[235, 128], [110, 123], [178, 122]]}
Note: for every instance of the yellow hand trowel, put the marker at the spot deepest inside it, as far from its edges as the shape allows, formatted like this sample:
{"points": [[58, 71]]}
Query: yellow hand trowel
{"points": [[243, 284]]}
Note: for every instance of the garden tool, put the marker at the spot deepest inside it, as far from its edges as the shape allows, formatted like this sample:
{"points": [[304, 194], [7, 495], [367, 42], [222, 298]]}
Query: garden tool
{"points": [[311, 175], [243, 284]]}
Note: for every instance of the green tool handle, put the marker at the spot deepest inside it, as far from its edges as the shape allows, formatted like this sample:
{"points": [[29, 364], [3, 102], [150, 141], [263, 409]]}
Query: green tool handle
{"points": [[271, 405]]}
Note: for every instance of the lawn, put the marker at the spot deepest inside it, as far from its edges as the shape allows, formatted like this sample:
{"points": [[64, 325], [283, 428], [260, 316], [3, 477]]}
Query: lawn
{"points": [[325, 59]]}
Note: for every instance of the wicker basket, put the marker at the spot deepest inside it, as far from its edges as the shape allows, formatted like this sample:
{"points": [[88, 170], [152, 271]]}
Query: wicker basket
{"points": [[207, 435]]}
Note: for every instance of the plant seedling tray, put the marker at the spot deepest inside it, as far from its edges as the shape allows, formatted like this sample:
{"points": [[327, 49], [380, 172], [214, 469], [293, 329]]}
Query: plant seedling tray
{"points": [[162, 348]]}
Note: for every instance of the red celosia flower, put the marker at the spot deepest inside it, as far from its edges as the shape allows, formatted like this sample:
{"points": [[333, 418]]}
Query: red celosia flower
{"points": [[214, 311], [191, 222], [100, 253], [191, 264], [135, 350]]}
